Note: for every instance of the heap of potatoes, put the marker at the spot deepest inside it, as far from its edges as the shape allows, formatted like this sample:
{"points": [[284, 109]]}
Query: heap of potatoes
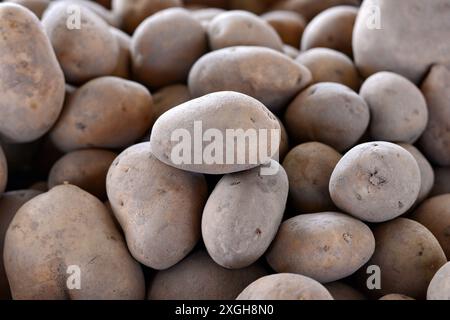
{"points": [[357, 208]]}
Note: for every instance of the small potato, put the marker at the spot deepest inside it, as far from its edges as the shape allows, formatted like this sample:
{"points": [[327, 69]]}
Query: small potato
{"points": [[327, 65], [158, 207], [285, 286], [261, 73], [198, 277], [327, 112], [168, 97], [332, 28], [397, 107], [291, 52], [309, 167], [439, 288], [326, 246], [123, 66], [342, 291], [165, 46], [3, 171], [395, 296], [99, 115], [86, 169], [441, 181], [68, 227], [288, 24], [242, 28], [376, 181], [36, 6]]}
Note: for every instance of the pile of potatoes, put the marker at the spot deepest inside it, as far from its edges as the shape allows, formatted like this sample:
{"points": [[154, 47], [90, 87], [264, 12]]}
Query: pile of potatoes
{"points": [[357, 208]]}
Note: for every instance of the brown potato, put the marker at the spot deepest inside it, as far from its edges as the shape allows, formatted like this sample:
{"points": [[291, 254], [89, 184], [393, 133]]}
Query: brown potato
{"points": [[342, 291], [75, 230], [99, 115], [123, 66], [168, 97], [441, 181], [3, 171], [395, 296], [288, 24], [284, 143], [36, 6], [39, 186], [439, 288], [108, 16], [310, 8]]}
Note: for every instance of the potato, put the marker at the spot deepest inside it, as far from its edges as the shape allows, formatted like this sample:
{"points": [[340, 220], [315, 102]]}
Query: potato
{"points": [[284, 143], [439, 288], [291, 52], [10, 202], [397, 107], [309, 167], [168, 97], [256, 6], [3, 171], [108, 16], [310, 8], [395, 296], [342, 291], [123, 66], [236, 231], [288, 24], [261, 73], [205, 15], [332, 28], [39, 186], [32, 82], [327, 65], [165, 46], [376, 181], [326, 246], [435, 141], [99, 114], [327, 112], [242, 28], [86, 51], [172, 134], [132, 13], [285, 286], [408, 256], [86, 169], [441, 181], [198, 277], [62, 228], [158, 207], [36, 6]]}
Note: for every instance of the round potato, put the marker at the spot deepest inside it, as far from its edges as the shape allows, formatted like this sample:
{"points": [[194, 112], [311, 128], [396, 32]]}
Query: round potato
{"points": [[441, 181], [288, 24], [376, 181], [32, 81], [75, 234], [395, 296], [3, 171], [168, 97], [397, 108], [342, 291], [99, 115], [261, 73], [439, 288], [285, 286], [327, 112], [325, 246], [123, 66], [309, 167], [36, 6]]}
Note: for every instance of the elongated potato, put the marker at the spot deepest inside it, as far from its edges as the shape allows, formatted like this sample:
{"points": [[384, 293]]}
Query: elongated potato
{"points": [[3, 171], [288, 24], [439, 288], [36, 6], [67, 229], [32, 81], [123, 65], [168, 97]]}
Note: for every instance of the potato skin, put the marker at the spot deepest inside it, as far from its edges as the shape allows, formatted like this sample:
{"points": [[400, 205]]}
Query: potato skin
{"points": [[116, 103], [123, 65], [395, 296], [441, 181], [310, 8], [326, 246], [76, 229], [32, 81], [169, 97], [158, 207], [285, 286], [261, 73], [291, 52], [3, 171], [288, 24], [439, 288], [36, 6], [342, 291], [198, 277], [375, 181]]}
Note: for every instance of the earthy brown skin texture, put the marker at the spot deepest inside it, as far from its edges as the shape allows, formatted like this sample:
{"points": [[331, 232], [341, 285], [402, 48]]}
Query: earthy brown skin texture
{"points": [[10, 202], [123, 66], [236, 231], [99, 115], [262, 73], [327, 65], [332, 29], [285, 286], [159, 207], [309, 167], [86, 53], [439, 288], [396, 296], [242, 28], [169, 97], [376, 181], [32, 83], [412, 37], [342, 291], [398, 109], [63, 227], [39, 186], [3, 171], [441, 181], [256, 6], [408, 256], [284, 144], [198, 277], [36, 6], [86, 169], [288, 24], [217, 111], [327, 112], [435, 141], [325, 246], [310, 8], [165, 46]]}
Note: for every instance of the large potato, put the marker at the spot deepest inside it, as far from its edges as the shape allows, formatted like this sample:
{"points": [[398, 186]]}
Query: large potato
{"points": [[158, 207], [262, 73], [326, 246], [310, 8], [439, 288], [123, 66], [32, 81], [168, 97], [198, 277], [3, 171], [99, 115], [36, 6], [376, 181], [62, 228], [285, 286], [288, 24], [342, 291]]}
